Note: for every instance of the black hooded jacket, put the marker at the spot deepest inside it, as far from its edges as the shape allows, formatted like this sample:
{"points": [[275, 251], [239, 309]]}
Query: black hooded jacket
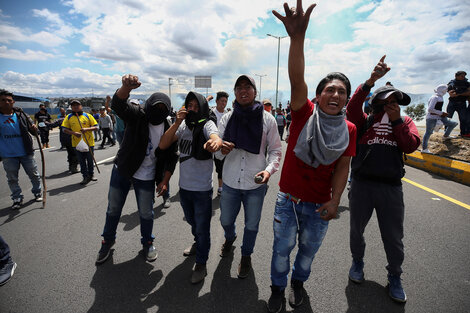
{"points": [[132, 152], [203, 116]]}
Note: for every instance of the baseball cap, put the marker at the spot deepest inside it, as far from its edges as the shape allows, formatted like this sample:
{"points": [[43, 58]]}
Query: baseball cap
{"points": [[384, 92], [245, 77]]}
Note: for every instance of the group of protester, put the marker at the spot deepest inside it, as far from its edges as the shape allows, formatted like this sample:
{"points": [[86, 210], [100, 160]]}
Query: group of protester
{"points": [[245, 145], [459, 95]]}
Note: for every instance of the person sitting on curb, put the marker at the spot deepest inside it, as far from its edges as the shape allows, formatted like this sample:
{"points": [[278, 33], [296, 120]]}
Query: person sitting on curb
{"points": [[436, 114]]}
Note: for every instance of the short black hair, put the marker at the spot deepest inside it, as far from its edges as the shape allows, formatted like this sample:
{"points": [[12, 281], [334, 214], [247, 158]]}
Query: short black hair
{"points": [[221, 94], [460, 73], [42, 105], [332, 76], [4, 92]]}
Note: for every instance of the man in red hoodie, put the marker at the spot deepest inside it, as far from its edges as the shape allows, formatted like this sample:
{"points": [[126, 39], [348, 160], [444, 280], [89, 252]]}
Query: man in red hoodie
{"points": [[377, 169]]}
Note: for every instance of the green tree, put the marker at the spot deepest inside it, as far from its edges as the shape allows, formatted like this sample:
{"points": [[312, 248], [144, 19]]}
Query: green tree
{"points": [[416, 112]]}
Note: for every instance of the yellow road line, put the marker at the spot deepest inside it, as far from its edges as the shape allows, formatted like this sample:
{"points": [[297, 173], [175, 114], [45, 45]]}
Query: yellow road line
{"points": [[438, 194]]}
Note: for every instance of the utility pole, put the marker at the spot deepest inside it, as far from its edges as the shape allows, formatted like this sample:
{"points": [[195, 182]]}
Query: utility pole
{"points": [[278, 51], [260, 76]]}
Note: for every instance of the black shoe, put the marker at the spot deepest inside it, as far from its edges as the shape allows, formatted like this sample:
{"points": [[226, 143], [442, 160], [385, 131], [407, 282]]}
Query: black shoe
{"points": [[17, 203], [296, 296], [92, 178], [190, 250], [7, 271], [101, 147], [227, 247], [277, 300], [85, 180], [104, 252], [73, 169], [199, 272], [244, 267]]}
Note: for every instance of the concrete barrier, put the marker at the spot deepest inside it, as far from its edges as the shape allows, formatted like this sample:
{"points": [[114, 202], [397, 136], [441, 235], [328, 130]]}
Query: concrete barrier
{"points": [[455, 170]]}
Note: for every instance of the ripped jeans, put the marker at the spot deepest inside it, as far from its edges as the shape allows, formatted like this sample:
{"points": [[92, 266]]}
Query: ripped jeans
{"points": [[294, 221]]}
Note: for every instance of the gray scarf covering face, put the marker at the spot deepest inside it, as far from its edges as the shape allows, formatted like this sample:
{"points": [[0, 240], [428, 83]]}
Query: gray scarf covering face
{"points": [[323, 139]]}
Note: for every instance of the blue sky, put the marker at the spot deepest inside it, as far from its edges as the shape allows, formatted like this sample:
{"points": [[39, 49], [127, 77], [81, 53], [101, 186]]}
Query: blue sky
{"points": [[80, 47]]}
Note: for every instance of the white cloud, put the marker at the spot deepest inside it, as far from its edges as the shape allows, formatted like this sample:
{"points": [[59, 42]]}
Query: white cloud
{"points": [[28, 55]]}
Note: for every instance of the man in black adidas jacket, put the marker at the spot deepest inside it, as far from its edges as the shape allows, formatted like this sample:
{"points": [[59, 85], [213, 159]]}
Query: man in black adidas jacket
{"points": [[139, 163]]}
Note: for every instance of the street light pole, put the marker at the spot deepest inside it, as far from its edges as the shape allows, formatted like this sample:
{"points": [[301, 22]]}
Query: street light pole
{"points": [[278, 51], [169, 86], [260, 76]]}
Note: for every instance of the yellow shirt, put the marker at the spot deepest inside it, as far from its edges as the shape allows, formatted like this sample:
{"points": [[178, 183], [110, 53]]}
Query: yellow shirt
{"points": [[87, 120]]}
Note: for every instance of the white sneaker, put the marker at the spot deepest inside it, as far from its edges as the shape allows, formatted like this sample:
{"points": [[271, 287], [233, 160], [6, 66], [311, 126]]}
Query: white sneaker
{"points": [[166, 203], [426, 151], [448, 137]]}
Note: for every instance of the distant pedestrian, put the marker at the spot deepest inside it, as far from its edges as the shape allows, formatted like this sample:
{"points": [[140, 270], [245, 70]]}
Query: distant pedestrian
{"points": [[281, 122], [97, 131], [106, 126], [80, 125], [42, 120], [16, 148], [436, 114], [66, 141], [219, 111], [7, 266], [459, 91]]}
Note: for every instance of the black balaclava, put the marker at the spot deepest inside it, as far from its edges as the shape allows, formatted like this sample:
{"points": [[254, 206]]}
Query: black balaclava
{"points": [[193, 118], [154, 114]]}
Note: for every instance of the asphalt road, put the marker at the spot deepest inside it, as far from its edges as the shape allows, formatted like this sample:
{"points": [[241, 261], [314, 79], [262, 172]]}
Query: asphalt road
{"points": [[55, 249]]}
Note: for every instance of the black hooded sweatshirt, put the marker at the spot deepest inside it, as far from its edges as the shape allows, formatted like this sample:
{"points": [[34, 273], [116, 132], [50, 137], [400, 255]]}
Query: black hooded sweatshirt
{"points": [[131, 154], [196, 123]]}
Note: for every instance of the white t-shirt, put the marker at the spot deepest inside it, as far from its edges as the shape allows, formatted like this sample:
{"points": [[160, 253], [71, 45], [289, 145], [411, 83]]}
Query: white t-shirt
{"points": [[195, 175], [218, 115], [146, 170]]}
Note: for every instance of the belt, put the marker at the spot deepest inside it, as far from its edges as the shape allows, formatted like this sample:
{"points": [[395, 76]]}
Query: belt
{"points": [[292, 198]]}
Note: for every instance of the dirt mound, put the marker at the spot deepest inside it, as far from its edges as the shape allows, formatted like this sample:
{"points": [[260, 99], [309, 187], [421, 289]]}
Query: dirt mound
{"points": [[458, 148]]}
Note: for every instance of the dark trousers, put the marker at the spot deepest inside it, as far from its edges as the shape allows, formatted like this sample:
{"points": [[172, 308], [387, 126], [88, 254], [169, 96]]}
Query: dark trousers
{"points": [[219, 165], [281, 131], [387, 200], [106, 134], [72, 158], [86, 162], [4, 252], [461, 108], [44, 134]]}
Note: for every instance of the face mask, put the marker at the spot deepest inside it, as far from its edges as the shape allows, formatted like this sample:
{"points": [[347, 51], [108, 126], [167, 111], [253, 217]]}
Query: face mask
{"points": [[155, 115], [192, 118]]}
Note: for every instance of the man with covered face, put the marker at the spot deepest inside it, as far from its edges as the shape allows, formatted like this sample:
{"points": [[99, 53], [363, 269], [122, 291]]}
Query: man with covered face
{"points": [[197, 136], [377, 169], [139, 163]]}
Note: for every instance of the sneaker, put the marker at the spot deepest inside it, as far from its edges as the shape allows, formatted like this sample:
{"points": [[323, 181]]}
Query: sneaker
{"points": [[150, 252], [356, 272], [448, 137], [85, 180], [244, 266], [17, 203], [7, 271], [190, 250], [219, 191], [276, 301], [104, 252], [92, 178], [296, 296], [227, 247], [37, 197], [395, 289], [425, 151], [101, 147], [166, 203], [199, 272]]}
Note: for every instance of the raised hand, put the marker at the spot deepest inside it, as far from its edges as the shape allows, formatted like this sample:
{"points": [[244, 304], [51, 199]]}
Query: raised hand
{"points": [[296, 20], [379, 71], [130, 81]]}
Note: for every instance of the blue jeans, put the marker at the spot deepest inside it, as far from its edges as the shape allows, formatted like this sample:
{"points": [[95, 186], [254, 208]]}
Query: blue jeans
{"points": [[230, 204], [197, 208], [310, 231], [118, 190], [4, 252], [431, 123], [12, 167], [86, 162]]}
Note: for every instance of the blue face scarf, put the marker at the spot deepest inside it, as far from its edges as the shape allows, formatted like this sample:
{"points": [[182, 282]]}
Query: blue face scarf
{"points": [[245, 127]]}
